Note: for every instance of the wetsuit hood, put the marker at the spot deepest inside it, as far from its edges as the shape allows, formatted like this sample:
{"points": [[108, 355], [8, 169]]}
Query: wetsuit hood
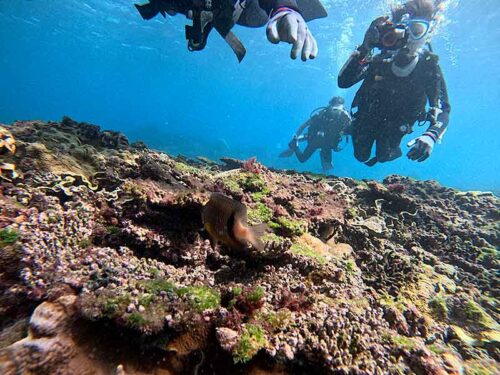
{"points": [[255, 16]]}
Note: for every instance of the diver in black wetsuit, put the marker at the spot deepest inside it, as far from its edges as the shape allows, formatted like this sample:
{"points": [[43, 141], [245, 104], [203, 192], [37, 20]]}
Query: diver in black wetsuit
{"points": [[397, 83], [324, 133], [285, 19]]}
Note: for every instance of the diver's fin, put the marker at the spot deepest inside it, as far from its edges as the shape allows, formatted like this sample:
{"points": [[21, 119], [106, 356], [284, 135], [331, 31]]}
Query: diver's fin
{"points": [[253, 15], [149, 10], [311, 9], [236, 45], [371, 162], [287, 153]]}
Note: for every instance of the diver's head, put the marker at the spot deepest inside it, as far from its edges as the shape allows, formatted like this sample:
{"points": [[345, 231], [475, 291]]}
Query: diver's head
{"points": [[337, 102], [416, 16]]}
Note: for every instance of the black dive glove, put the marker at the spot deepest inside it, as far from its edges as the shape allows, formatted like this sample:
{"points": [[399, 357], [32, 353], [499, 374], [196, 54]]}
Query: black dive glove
{"points": [[372, 35], [421, 147]]}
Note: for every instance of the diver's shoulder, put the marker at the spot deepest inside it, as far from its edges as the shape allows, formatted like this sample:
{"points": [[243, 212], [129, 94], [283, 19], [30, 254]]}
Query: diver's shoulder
{"points": [[430, 57]]}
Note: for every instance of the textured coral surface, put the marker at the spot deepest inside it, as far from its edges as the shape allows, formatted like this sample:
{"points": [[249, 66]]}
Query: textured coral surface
{"points": [[106, 268]]}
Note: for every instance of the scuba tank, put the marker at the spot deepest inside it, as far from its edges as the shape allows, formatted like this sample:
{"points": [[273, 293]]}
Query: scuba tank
{"points": [[316, 111]]}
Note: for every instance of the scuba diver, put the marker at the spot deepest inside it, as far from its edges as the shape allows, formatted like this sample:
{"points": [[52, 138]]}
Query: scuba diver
{"points": [[324, 132], [285, 19], [397, 83]]}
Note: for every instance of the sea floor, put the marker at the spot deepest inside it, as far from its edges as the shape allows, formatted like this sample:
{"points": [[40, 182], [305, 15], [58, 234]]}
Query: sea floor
{"points": [[106, 268]]}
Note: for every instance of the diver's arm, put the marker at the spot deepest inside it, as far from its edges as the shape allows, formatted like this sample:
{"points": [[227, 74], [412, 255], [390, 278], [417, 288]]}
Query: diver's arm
{"points": [[354, 70], [303, 127], [421, 147], [440, 107], [286, 24]]}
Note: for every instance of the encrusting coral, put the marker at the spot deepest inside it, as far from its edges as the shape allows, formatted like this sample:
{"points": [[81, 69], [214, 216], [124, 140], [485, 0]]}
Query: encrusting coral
{"points": [[102, 247]]}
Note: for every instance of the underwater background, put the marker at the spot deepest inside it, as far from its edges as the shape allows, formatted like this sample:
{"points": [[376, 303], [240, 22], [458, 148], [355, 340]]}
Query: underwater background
{"points": [[98, 61]]}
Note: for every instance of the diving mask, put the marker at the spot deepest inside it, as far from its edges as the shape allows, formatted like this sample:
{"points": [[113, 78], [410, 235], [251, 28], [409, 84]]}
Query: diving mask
{"points": [[395, 36], [417, 28]]}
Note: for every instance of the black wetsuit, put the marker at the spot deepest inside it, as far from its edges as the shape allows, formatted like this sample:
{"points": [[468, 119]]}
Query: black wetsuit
{"points": [[220, 15], [183, 6], [325, 131], [388, 105]]}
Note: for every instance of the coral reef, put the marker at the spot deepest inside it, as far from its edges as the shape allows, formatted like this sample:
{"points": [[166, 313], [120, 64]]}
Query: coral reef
{"points": [[106, 268]]}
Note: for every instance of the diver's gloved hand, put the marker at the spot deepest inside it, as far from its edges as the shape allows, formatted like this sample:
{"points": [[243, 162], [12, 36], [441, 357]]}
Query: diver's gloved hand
{"points": [[372, 35], [287, 25], [421, 147], [293, 145]]}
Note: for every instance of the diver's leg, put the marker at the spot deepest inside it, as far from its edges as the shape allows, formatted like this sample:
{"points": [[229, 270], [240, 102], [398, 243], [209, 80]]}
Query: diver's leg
{"points": [[304, 156], [388, 144], [362, 140], [326, 159]]}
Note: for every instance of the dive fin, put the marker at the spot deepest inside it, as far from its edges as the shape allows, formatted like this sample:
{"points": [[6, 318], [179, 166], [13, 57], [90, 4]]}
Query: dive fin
{"points": [[236, 45], [149, 10], [287, 153], [253, 15], [371, 162], [311, 9]]}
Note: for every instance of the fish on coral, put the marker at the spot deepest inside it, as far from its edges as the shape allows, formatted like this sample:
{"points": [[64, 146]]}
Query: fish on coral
{"points": [[225, 220]]}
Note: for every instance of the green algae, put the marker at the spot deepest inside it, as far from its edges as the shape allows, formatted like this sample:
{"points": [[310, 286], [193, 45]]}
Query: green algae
{"points": [[292, 227], [237, 290], [249, 181], [155, 273], [201, 297], [85, 243], [112, 230], [480, 369], [185, 168], [350, 266], [307, 252], [260, 214], [136, 320], [439, 308], [463, 336], [277, 320], [259, 196], [255, 294], [251, 341], [114, 305], [390, 301], [488, 254], [8, 237], [273, 238], [401, 341], [246, 181], [232, 185], [437, 349], [146, 299], [352, 212], [475, 314], [158, 285]]}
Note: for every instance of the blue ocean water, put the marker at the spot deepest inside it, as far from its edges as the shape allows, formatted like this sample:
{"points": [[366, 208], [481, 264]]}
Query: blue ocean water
{"points": [[98, 61]]}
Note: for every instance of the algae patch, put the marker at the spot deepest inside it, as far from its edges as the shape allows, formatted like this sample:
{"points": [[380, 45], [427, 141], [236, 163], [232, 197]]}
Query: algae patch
{"points": [[8, 237], [201, 297], [251, 341], [306, 251]]}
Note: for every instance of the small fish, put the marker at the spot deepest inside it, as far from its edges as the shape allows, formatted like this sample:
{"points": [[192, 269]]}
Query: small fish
{"points": [[225, 220]]}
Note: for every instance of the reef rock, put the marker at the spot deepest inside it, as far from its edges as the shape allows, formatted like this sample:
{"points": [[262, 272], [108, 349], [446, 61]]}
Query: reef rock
{"points": [[105, 268]]}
